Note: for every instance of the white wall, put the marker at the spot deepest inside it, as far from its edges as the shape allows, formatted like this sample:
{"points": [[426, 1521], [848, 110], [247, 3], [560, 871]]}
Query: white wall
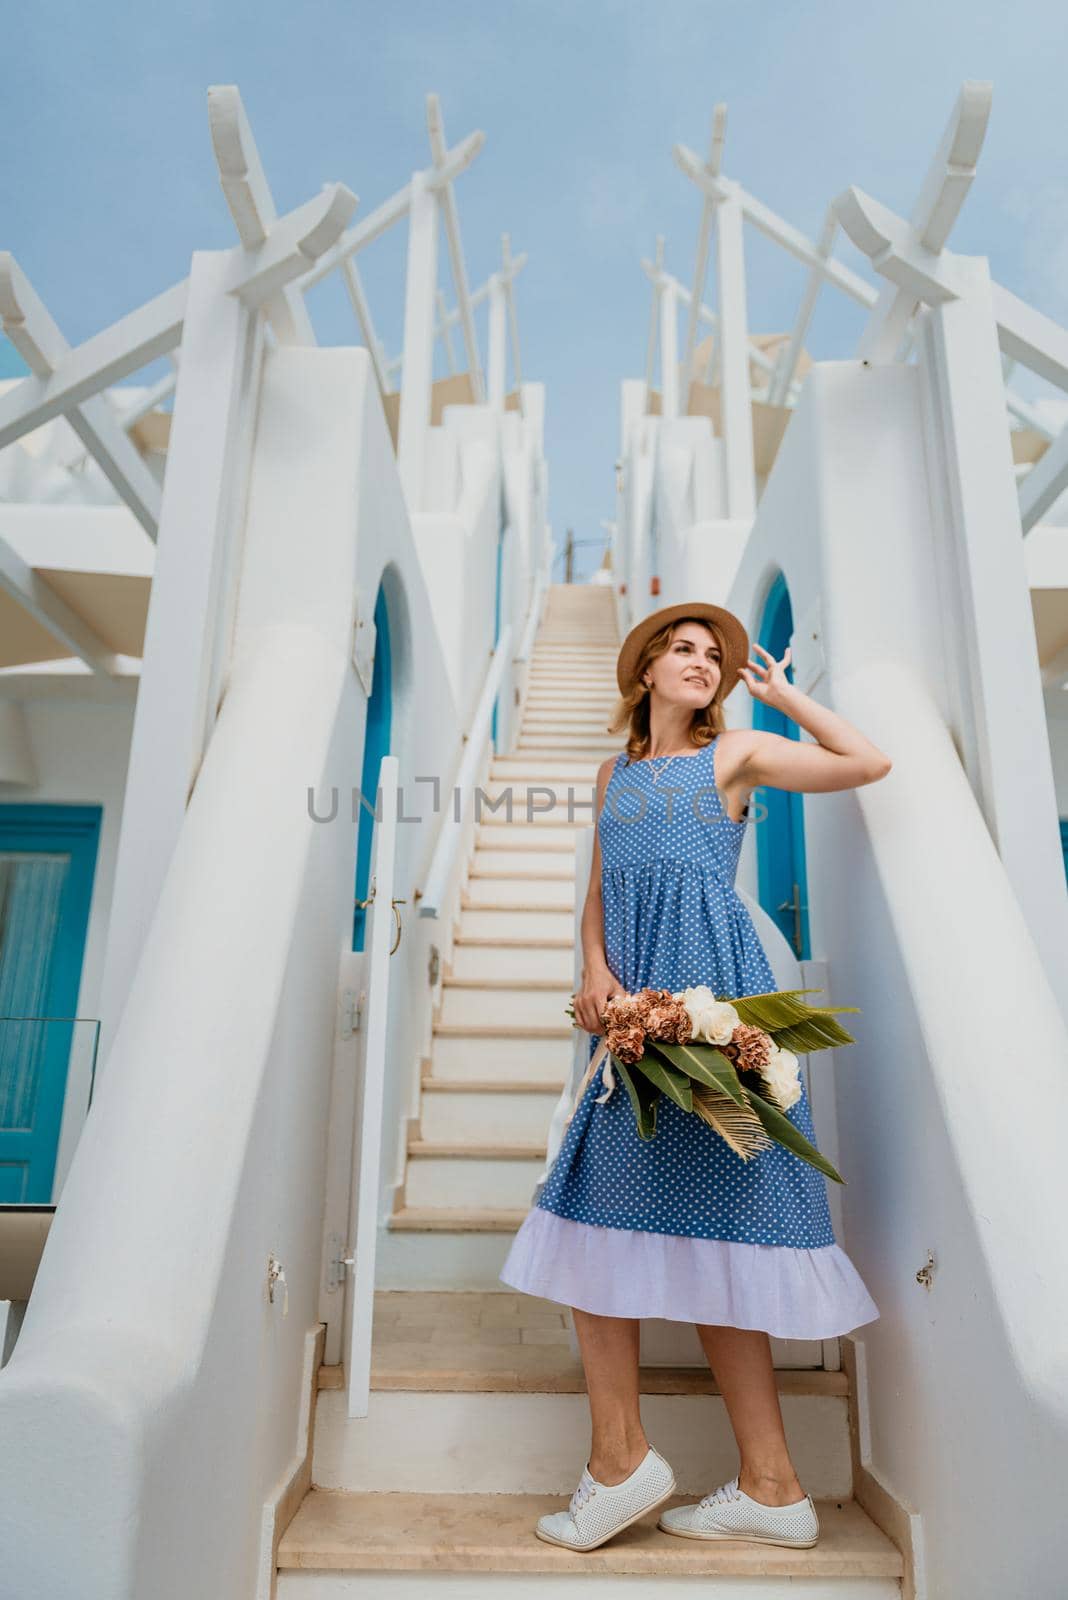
{"points": [[939, 1142], [80, 749], [154, 1390]]}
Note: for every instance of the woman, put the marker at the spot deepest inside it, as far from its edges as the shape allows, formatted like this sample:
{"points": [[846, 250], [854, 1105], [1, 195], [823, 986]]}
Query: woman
{"points": [[679, 1226]]}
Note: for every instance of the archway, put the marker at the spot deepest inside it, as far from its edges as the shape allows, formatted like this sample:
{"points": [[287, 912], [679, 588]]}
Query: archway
{"points": [[375, 746]]}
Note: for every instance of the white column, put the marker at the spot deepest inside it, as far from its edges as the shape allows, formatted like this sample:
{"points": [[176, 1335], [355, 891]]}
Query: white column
{"points": [[418, 368], [669, 351], [1006, 744], [498, 330], [213, 410], [735, 408]]}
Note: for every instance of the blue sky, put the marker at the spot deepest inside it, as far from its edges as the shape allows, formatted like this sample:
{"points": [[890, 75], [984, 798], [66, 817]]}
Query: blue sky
{"points": [[110, 184]]}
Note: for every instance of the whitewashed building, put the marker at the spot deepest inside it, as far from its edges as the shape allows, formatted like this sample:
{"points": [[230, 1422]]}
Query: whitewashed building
{"points": [[297, 745]]}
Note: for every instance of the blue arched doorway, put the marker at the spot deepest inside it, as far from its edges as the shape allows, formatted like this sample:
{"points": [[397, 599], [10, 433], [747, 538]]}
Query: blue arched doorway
{"points": [[781, 880], [375, 746]]}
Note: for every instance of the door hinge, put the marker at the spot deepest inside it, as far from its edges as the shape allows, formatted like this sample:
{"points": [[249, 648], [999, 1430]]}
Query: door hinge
{"points": [[337, 1261]]}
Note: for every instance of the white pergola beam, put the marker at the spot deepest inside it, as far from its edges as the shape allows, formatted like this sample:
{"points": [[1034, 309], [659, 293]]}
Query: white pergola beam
{"points": [[248, 196], [775, 228], [1045, 483], [655, 271], [361, 306], [442, 185], [64, 377], [1028, 337], [952, 171], [258, 276], [712, 168], [33, 594], [911, 256], [507, 276], [29, 325]]}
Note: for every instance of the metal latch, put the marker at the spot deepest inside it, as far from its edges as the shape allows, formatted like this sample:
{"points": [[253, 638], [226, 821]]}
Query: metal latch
{"points": [[351, 1011]]}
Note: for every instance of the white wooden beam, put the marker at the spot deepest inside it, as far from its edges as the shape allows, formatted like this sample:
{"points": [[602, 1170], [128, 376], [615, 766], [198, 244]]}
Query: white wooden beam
{"points": [[259, 275], [712, 167], [498, 345], [736, 413], [361, 306], [30, 591], [669, 357], [654, 314], [1030, 338], [1045, 483], [37, 338], [65, 376], [451, 219], [910, 256], [420, 286], [508, 277], [786, 366], [248, 195], [775, 228]]}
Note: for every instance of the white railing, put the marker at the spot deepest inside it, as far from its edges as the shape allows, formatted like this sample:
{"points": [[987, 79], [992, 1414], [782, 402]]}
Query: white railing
{"points": [[446, 861]]}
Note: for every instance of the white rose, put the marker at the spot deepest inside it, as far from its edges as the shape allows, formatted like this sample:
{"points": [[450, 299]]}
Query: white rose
{"points": [[712, 1021], [782, 1077]]}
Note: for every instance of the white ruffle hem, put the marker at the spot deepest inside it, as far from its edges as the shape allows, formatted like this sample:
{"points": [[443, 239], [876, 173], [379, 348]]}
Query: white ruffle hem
{"points": [[624, 1272]]}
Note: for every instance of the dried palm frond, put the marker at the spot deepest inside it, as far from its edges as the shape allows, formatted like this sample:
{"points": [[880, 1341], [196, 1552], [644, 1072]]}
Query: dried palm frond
{"points": [[739, 1126]]}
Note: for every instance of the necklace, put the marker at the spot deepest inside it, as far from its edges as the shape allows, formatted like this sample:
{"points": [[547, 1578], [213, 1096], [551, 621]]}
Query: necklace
{"points": [[667, 760]]}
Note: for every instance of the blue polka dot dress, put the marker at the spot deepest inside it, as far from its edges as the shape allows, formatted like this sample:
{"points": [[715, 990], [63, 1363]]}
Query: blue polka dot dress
{"points": [[679, 1226]]}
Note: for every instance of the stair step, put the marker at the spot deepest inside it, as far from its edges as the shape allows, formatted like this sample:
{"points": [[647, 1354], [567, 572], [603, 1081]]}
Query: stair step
{"points": [[463, 1055], [465, 1150], [458, 1219], [476, 1178], [481, 961], [500, 922], [503, 1007], [337, 1538], [528, 862], [517, 894], [468, 1441], [508, 1114]]}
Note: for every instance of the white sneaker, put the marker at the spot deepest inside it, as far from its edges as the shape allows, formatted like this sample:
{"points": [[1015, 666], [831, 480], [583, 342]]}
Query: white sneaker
{"points": [[729, 1513], [599, 1510]]}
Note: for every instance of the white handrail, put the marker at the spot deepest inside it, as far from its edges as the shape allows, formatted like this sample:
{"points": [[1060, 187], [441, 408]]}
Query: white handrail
{"points": [[443, 862]]}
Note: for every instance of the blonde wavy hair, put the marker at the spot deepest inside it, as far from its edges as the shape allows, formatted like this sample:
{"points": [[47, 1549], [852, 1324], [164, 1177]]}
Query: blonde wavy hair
{"points": [[632, 709]]}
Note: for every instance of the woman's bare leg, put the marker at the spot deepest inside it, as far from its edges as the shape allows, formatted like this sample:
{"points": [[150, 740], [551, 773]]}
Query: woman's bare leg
{"points": [[740, 1359], [609, 1348]]}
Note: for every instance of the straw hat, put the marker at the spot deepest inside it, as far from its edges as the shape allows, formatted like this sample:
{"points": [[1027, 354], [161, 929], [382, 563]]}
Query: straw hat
{"points": [[737, 640]]}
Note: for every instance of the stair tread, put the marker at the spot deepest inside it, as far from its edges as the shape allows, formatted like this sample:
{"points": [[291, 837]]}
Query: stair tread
{"points": [[337, 1530], [458, 1219], [497, 1150], [432, 1085]]}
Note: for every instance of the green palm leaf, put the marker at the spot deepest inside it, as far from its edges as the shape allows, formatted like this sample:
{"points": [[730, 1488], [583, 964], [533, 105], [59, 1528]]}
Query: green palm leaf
{"points": [[643, 1099], [702, 1062], [794, 1024], [783, 1131], [676, 1085]]}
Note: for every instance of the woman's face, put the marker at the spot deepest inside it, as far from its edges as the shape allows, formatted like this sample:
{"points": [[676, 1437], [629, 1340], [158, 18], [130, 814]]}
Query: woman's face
{"points": [[689, 671]]}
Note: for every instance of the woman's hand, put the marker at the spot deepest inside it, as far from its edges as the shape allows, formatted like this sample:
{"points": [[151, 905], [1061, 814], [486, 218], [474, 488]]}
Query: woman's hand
{"points": [[768, 687], [599, 984]]}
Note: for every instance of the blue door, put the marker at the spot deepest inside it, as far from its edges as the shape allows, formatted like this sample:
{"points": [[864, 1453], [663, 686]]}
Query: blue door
{"points": [[47, 861], [375, 746], [782, 887]]}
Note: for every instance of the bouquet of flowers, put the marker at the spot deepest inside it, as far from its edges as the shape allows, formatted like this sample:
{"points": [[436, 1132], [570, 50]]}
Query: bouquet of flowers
{"points": [[729, 1062]]}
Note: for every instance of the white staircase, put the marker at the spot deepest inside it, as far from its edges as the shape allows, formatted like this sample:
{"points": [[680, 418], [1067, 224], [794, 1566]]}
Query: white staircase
{"points": [[502, 1042], [478, 1420]]}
